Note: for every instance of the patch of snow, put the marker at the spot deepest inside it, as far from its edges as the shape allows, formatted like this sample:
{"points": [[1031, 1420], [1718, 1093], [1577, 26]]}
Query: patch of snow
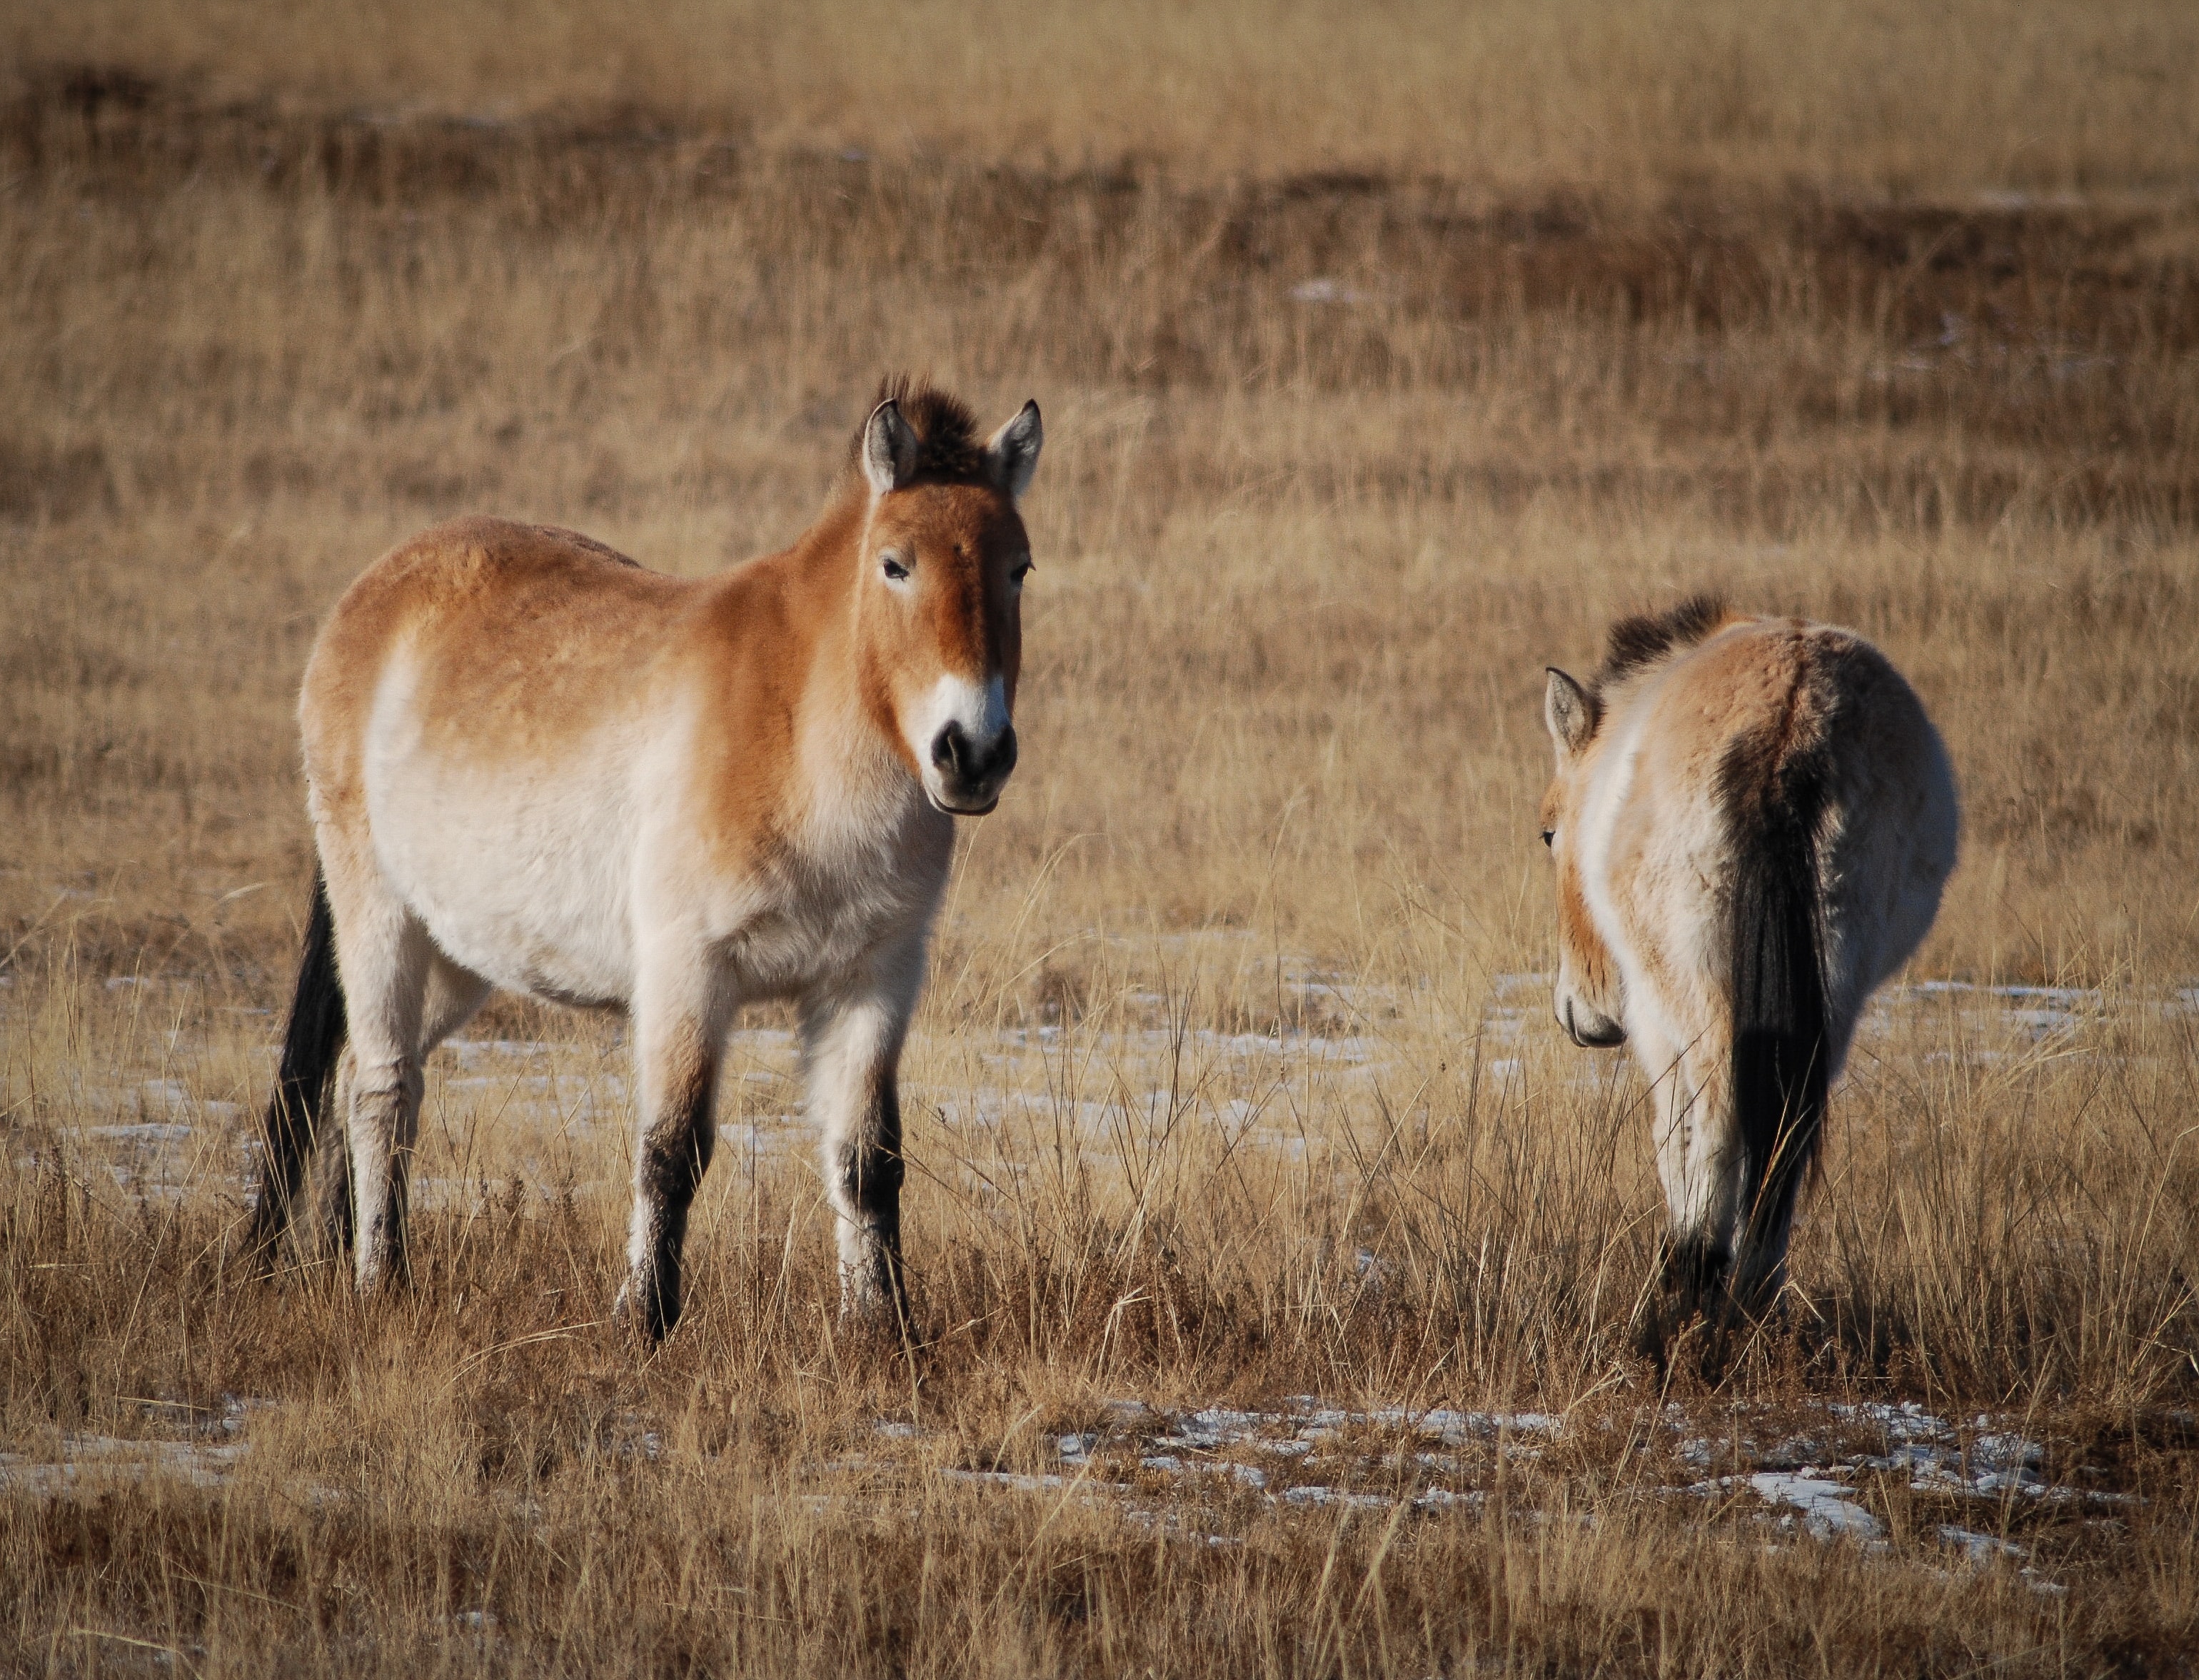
{"points": [[1010, 1480], [1323, 289], [93, 1457], [1317, 1495], [149, 1131], [1828, 1510]]}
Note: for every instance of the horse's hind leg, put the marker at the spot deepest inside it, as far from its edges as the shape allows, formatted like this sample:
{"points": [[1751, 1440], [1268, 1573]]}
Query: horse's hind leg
{"points": [[385, 956], [1697, 1163], [330, 1235], [453, 996]]}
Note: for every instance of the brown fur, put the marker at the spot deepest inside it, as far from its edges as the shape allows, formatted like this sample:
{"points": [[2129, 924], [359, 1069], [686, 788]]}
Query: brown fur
{"points": [[1599, 977]]}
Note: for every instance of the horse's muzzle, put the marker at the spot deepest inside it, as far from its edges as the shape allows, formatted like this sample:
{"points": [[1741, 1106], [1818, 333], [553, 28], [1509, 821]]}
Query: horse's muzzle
{"points": [[1589, 1028], [971, 773]]}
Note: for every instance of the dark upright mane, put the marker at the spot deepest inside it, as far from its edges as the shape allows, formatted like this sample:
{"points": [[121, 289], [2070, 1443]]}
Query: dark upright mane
{"points": [[1644, 638], [948, 450]]}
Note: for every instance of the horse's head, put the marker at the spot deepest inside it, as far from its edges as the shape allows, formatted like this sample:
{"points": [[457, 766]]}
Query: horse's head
{"points": [[1589, 1000], [939, 588]]}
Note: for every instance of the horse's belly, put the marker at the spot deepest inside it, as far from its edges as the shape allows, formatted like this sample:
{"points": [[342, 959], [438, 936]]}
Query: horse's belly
{"points": [[523, 884]]}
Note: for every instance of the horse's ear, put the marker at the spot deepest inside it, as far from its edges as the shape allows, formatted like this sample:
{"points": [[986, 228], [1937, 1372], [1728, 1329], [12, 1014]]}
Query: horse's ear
{"points": [[1568, 712], [1012, 454], [889, 448]]}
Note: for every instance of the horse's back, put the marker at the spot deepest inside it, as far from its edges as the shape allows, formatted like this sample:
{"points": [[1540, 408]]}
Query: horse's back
{"points": [[1765, 697], [509, 635]]}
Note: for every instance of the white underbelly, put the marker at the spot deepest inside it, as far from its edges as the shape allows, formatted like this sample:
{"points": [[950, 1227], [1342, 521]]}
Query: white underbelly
{"points": [[521, 875]]}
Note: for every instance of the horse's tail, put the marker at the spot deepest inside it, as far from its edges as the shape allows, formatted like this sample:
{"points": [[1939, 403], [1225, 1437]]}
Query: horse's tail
{"points": [[1782, 1053], [312, 1044]]}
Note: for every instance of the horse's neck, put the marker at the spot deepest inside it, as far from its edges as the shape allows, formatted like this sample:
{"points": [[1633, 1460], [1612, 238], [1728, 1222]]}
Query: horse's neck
{"points": [[851, 787]]}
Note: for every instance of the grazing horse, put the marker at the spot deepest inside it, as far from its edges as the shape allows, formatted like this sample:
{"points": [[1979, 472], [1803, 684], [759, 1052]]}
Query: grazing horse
{"points": [[1752, 821], [534, 764]]}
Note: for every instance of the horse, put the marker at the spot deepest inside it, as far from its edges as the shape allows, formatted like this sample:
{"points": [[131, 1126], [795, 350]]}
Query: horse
{"points": [[1752, 821], [533, 764]]}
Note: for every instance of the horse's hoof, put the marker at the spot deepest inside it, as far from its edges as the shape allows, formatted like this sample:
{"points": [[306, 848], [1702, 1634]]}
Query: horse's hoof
{"points": [[642, 1316], [879, 1330]]}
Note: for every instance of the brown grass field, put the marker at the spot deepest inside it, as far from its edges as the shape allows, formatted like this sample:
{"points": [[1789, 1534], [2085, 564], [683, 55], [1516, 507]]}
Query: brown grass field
{"points": [[1278, 1255]]}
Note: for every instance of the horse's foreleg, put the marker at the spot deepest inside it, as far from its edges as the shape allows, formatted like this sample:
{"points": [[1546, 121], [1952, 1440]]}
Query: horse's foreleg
{"points": [[677, 1033], [852, 1042]]}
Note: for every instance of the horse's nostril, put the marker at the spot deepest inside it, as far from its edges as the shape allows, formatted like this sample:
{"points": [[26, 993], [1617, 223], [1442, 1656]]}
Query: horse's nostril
{"points": [[950, 749], [955, 754]]}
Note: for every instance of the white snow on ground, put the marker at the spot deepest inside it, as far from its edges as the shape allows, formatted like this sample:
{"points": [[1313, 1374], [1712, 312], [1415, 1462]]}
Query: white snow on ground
{"points": [[1828, 1510], [1978, 1548], [1322, 1457], [210, 1452], [98, 1459]]}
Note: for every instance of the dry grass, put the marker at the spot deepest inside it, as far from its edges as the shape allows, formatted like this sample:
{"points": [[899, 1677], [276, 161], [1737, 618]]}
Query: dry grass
{"points": [[1221, 1088], [1618, 96]]}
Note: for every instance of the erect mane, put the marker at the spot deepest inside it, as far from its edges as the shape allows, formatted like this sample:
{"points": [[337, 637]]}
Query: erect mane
{"points": [[948, 450], [1641, 640]]}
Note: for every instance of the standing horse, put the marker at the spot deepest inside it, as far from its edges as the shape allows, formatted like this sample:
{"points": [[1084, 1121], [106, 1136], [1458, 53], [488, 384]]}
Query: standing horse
{"points": [[534, 764], [1752, 821]]}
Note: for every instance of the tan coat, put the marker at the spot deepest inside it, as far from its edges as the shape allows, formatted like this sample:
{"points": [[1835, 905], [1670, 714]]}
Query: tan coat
{"points": [[534, 764], [1752, 821]]}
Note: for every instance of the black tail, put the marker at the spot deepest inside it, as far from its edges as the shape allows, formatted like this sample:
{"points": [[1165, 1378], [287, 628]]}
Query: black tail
{"points": [[1782, 1059], [311, 1043]]}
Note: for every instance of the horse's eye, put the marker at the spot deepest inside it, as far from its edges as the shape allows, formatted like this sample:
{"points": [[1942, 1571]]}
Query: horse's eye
{"points": [[890, 562], [1547, 834], [1018, 572]]}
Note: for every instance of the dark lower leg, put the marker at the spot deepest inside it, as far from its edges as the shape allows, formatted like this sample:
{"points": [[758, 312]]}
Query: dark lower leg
{"points": [[675, 1153], [869, 1175]]}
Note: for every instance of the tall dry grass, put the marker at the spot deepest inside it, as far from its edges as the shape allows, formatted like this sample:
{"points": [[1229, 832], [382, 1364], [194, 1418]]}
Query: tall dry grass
{"points": [[1385, 358], [482, 1474]]}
